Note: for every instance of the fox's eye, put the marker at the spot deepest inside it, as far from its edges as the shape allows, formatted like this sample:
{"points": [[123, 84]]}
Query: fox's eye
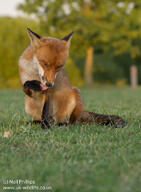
{"points": [[59, 67], [45, 63], [43, 78]]}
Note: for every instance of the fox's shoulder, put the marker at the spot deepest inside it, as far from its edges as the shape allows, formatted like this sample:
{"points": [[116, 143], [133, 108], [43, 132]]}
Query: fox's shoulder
{"points": [[27, 67], [28, 53]]}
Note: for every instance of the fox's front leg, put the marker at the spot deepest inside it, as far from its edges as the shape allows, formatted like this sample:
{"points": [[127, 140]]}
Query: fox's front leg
{"points": [[45, 118], [34, 100]]}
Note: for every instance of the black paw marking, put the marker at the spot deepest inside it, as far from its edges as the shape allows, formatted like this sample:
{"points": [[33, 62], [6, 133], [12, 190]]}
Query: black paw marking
{"points": [[62, 124], [45, 124], [45, 119], [34, 85], [34, 122]]}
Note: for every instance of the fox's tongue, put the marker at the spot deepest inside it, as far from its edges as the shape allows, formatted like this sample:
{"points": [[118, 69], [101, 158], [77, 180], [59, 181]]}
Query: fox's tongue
{"points": [[43, 87]]}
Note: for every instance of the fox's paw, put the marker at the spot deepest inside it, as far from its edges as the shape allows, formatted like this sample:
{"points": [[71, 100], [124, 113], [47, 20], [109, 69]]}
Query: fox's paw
{"points": [[45, 124], [34, 85], [62, 124]]}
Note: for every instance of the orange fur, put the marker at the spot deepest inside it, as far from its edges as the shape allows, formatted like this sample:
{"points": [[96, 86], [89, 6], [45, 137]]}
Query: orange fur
{"points": [[51, 54], [28, 53], [44, 60]]}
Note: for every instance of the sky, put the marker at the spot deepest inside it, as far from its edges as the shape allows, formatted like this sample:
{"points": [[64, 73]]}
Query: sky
{"points": [[8, 7]]}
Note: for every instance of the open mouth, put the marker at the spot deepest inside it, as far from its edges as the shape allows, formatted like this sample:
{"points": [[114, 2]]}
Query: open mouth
{"points": [[44, 87]]}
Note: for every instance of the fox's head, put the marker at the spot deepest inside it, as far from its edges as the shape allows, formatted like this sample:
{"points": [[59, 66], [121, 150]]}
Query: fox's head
{"points": [[50, 55]]}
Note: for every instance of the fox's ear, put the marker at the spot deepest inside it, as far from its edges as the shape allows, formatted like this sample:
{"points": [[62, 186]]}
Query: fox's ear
{"points": [[67, 39], [34, 38]]}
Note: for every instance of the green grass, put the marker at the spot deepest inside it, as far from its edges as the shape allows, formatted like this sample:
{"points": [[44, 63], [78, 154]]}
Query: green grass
{"points": [[80, 158]]}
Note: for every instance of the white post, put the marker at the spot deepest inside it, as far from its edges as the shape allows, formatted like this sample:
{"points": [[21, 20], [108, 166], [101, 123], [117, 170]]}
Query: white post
{"points": [[133, 76]]}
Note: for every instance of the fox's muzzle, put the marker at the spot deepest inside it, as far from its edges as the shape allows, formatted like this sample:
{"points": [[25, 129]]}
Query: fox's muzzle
{"points": [[49, 84]]}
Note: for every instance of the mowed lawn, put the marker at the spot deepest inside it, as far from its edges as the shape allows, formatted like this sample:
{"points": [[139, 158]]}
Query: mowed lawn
{"points": [[77, 158]]}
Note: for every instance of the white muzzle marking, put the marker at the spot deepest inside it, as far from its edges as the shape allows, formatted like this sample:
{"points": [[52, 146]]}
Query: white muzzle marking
{"points": [[41, 71]]}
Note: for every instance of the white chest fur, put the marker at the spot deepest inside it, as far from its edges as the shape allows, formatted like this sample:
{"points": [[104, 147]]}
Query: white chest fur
{"points": [[29, 71], [39, 67]]}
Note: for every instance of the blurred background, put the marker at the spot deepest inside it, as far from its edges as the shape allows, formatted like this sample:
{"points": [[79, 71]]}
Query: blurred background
{"points": [[105, 45]]}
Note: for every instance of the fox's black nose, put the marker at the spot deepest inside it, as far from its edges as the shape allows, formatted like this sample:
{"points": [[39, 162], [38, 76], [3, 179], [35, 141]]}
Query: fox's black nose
{"points": [[48, 84]]}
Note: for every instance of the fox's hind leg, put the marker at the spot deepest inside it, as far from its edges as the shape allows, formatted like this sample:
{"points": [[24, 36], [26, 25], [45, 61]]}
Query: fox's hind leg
{"points": [[78, 107], [64, 103]]}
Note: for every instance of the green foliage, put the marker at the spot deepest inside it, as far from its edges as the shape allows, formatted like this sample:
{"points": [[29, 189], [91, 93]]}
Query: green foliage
{"points": [[108, 26], [110, 23], [88, 20], [77, 158], [106, 70], [73, 73], [125, 31], [13, 40]]}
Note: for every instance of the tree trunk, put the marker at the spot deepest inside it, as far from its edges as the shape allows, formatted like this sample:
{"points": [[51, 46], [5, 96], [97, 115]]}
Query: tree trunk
{"points": [[88, 73]]}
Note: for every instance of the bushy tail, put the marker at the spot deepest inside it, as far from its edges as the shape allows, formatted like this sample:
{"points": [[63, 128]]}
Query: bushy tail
{"points": [[102, 119]]}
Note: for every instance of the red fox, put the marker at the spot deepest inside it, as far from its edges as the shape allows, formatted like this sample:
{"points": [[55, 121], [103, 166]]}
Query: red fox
{"points": [[50, 95]]}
